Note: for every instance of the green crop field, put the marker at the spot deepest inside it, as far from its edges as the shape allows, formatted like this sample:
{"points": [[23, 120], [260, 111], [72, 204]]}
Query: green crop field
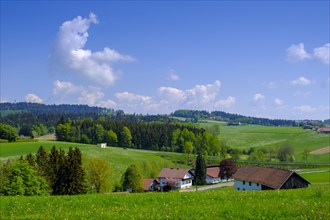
{"points": [[257, 136], [310, 203]]}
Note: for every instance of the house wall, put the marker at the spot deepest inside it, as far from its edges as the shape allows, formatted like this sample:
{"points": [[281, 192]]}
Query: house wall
{"points": [[211, 180], [246, 185], [295, 181], [181, 183]]}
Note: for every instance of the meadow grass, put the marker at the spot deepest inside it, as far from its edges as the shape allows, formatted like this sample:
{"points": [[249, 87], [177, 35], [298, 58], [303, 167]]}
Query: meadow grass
{"points": [[257, 136], [119, 159], [310, 203], [319, 177]]}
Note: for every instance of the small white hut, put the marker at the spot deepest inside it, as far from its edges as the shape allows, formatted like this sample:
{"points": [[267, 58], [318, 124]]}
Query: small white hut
{"points": [[102, 145]]}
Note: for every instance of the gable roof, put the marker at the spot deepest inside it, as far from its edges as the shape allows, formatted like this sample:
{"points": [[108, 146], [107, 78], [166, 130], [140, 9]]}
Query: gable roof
{"points": [[176, 173], [147, 183], [213, 171], [271, 177]]}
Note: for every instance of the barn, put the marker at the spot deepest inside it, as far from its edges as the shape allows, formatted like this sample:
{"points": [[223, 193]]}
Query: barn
{"points": [[265, 178]]}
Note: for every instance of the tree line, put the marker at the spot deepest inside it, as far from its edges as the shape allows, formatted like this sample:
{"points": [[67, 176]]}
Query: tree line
{"points": [[196, 115], [158, 136], [55, 173]]}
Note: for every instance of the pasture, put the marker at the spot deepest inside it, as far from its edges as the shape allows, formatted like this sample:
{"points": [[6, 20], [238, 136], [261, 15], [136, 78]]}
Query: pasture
{"points": [[118, 158], [257, 136], [310, 203]]}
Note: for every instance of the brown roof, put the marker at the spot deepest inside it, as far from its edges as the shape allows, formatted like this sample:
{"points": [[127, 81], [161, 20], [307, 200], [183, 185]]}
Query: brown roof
{"points": [[147, 183], [325, 129], [271, 177], [213, 171], [176, 173]]}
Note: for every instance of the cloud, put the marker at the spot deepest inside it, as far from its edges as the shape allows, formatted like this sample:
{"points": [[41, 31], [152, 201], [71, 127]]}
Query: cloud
{"points": [[226, 103], [258, 97], [168, 99], [65, 88], [301, 81], [297, 53], [108, 104], [172, 76], [69, 53], [33, 98], [91, 96], [303, 94], [201, 95], [322, 53], [305, 108], [278, 102]]}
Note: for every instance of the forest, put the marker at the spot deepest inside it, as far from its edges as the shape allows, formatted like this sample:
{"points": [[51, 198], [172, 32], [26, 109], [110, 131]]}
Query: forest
{"points": [[158, 136]]}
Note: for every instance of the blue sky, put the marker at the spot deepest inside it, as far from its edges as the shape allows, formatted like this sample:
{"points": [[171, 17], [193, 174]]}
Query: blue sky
{"points": [[264, 59]]}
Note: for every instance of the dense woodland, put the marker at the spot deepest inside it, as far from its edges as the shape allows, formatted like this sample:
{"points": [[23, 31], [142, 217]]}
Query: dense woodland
{"points": [[141, 135]]}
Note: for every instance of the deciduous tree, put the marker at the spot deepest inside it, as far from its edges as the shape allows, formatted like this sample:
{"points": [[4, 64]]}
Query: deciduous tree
{"points": [[227, 168]]}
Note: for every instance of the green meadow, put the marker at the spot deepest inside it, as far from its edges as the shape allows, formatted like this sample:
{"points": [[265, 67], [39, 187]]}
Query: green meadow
{"points": [[119, 159], [310, 203], [257, 136]]}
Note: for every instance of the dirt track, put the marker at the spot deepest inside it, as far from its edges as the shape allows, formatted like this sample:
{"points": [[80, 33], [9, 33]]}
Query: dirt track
{"points": [[324, 150]]}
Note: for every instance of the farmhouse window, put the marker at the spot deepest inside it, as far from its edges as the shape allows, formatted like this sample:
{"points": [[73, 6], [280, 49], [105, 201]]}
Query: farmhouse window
{"points": [[257, 184], [243, 182], [249, 183]]}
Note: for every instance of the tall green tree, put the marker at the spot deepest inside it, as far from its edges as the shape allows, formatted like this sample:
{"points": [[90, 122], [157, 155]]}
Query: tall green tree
{"points": [[8, 132], [132, 179], [99, 173], [286, 153], [19, 178], [75, 173], [112, 138], [200, 170], [125, 137], [42, 161]]}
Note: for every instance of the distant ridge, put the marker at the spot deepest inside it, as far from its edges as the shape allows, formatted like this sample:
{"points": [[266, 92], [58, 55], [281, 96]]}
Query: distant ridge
{"points": [[35, 108], [196, 115]]}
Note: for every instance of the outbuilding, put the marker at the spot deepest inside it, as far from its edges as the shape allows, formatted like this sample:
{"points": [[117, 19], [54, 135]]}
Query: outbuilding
{"points": [[264, 178]]}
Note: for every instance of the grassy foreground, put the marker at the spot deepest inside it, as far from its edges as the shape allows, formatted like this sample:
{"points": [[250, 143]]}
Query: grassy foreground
{"points": [[311, 203]]}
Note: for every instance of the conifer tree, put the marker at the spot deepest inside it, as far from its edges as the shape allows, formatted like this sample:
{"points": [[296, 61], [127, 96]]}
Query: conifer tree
{"points": [[200, 170], [75, 173]]}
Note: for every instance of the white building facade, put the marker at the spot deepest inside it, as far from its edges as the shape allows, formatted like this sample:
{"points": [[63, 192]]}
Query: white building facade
{"points": [[246, 185]]}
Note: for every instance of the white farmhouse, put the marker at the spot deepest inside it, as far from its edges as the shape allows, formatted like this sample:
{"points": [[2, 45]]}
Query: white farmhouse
{"points": [[265, 178], [102, 145], [179, 178]]}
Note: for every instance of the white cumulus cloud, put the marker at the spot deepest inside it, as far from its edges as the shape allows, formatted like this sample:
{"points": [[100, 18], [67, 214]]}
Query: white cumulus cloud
{"points": [[297, 53], [69, 53], [301, 81], [226, 103], [322, 53], [278, 102], [65, 88], [258, 97], [33, 98]]}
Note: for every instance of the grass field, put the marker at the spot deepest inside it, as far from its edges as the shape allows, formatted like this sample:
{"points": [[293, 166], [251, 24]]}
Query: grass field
{"points": [[311, 203], [118, 158], [317, 178], [247, 136]]}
